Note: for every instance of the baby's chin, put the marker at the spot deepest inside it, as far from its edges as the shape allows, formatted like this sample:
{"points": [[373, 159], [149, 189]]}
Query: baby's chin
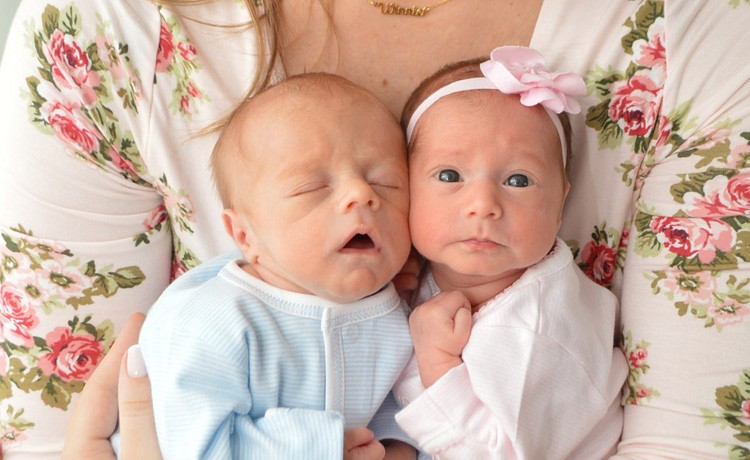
{"points": [[355, 290]]}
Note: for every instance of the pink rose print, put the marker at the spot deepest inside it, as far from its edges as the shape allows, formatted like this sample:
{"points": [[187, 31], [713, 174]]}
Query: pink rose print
{"points": [[71, 126], [17, 316], [738, 155], [165, 53], [58, 279], [187, 51], [651, 53], [728, 313], [738, 193], [193, 90], [708, 139], [71, 67], [4, 363], [635, 103], [694, 237], [108, 58], [721, 196], [691, 288], [158, 215], [122, 163], [637, 357], [185, 104], [178, 268], [600, 262], [642, 391], [665, 131], [73, 356], [745, 408], [11, 436]]}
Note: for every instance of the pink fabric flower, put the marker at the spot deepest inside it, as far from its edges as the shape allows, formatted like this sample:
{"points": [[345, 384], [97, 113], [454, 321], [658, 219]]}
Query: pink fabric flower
{"points": [[73, 356], [521, 70]]}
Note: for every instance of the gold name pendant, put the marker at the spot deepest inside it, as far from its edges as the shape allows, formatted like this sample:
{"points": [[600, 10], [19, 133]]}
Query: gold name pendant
{"points": [[392, 8], [395, 8]]}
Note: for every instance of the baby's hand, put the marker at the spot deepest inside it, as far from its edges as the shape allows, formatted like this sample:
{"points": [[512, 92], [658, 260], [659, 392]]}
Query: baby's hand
{"points": [[440, 329], [360, 444]]}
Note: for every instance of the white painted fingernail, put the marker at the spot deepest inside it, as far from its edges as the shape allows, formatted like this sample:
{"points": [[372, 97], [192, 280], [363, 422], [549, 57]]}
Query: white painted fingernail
{"points": [[136, 365]]}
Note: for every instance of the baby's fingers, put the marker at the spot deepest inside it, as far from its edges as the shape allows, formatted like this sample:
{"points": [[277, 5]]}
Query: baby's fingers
{"points": [[462, 323], [360, 444]]}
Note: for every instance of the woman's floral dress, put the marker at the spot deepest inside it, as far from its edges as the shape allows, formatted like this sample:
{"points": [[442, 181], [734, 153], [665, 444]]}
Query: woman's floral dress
{"points": [[106, 196]]}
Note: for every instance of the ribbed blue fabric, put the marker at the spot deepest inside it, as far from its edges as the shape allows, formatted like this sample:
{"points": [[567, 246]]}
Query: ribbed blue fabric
{"points": [[242, 369]]}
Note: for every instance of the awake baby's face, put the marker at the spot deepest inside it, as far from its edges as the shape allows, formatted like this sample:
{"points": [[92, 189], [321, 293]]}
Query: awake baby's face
{"points": [[487, 187]]}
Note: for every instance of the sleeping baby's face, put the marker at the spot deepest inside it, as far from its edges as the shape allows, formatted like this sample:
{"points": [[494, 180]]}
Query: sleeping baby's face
{"points": [[326, 197]]}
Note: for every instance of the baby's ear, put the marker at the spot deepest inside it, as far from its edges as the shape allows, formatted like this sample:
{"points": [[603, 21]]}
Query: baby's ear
{"points": [[238, 227]]}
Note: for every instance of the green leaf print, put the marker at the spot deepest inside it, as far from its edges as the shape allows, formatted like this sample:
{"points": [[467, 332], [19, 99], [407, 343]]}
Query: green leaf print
{"points": [[24, 378], [58, 393], [50, 21], [729, 398], [739, 453], [734, 402], [644, 17], [128, 277], [6, 391], [71, 20]]}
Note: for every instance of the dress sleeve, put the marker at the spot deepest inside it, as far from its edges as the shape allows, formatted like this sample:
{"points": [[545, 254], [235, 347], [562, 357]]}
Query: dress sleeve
{"points": [[85, 240], [686, 284], [489, 407]]}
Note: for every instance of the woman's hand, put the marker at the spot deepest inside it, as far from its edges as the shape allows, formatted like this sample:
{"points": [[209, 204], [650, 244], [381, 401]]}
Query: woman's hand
{"points": [[120, 374]]}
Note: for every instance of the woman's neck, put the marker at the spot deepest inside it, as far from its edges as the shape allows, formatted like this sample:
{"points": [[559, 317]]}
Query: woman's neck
{"points": [[391, 55]]}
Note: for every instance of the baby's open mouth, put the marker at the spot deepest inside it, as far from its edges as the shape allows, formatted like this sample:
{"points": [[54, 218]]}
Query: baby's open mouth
{"points": [[360, 241]]}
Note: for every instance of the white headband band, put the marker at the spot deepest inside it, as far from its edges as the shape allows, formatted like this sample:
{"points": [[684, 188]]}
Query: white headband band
{"points": [[517, 70], [469, 84]]}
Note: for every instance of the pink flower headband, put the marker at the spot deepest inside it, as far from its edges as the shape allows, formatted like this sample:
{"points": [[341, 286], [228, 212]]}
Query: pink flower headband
{"points": [[517, 70]]}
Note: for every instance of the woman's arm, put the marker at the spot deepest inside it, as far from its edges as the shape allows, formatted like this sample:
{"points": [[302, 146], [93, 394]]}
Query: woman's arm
{"points": [[82, 239]]}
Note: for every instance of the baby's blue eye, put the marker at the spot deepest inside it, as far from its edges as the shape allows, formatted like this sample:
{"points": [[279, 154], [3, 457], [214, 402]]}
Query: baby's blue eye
{"points": [[448, 175], [518, 180]]}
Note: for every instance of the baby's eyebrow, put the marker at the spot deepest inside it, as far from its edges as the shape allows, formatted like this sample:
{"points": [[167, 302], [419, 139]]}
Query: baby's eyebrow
{"points": [[297, 169]]}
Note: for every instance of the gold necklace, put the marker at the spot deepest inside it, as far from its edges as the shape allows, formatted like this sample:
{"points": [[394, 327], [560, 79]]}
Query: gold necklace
{"points": [[394, 8]]}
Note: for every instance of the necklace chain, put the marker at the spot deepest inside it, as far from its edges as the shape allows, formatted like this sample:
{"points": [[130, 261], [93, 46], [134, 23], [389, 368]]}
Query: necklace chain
{"points": [[395, 8]]}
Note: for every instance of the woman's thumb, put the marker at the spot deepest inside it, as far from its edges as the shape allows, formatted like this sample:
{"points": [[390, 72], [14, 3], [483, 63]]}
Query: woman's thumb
{"points": [[137, 428]]}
